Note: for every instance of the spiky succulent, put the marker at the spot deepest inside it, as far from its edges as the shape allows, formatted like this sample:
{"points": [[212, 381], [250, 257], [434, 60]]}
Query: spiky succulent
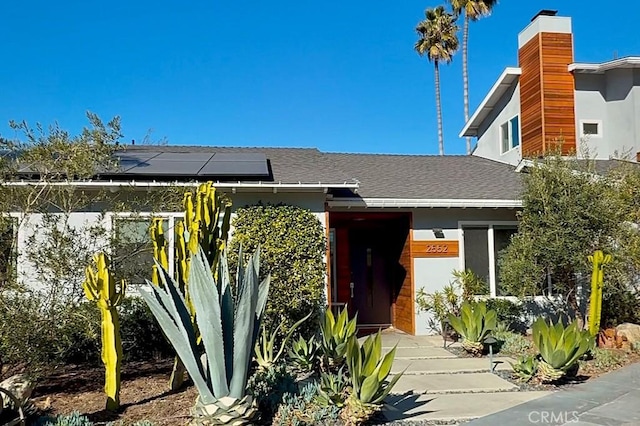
{"points": [[335, 334], [474, 324], [303, 353], [228, 318], [369, 370], [560, 347], [525, 367]]}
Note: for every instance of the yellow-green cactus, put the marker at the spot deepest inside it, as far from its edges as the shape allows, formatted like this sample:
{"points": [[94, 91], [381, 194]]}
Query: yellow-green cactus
{"points": [[100, 287], [597, 282], [159, 248], [206, 224]]}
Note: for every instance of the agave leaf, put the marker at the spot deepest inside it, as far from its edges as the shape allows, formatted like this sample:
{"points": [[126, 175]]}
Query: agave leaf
{"points": [[370, 386], [457, 324], [227, 308], [185, 349], [373, 353], [388, 388], [386, 364], [243, 333], [288, 336], [206, 300]]}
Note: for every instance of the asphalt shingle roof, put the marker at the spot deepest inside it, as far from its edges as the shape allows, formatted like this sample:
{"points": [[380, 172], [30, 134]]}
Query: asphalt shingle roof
{"points": [[381, 175]]}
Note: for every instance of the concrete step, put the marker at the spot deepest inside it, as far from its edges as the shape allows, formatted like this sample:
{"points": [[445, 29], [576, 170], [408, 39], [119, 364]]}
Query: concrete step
{"points": [[452, 383], [390, 340], [450, 365], [452, 407], [422, 353]]}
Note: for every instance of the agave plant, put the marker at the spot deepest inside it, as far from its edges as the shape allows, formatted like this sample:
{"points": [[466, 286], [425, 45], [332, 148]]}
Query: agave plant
{"points": [[331, 389], [474, 324], [560, 347], [228, 319], [525, 367], [304, 354], [336, 333], [266, 355], [369, 370]]}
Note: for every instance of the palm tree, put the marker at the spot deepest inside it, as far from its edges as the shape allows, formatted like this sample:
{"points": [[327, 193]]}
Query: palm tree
{"points": [[438, 41], [472, 11]]}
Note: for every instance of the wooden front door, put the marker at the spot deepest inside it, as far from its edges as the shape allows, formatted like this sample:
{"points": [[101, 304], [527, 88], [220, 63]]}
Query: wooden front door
{"points": [[370, 286]]}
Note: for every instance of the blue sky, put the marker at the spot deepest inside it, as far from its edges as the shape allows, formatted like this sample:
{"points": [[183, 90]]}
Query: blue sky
{"points": [[339, 76]]}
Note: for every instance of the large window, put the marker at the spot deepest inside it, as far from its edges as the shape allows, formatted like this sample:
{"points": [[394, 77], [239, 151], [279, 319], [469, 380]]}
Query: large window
{"points": [[510, 134], [8, 247], [132, 247], [482, 244]]}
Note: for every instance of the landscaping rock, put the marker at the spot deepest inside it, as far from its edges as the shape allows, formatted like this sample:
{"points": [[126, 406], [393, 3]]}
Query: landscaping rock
{"points": [[630, 331], [20, 386]]}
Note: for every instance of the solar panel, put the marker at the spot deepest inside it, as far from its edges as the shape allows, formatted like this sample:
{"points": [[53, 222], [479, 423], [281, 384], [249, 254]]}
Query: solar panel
{"points": [[168, 164], [230, 164]]}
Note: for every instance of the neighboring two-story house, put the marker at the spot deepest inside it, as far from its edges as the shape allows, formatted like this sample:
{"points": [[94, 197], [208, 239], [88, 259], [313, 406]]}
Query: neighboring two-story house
{"points": [[550, 99]]}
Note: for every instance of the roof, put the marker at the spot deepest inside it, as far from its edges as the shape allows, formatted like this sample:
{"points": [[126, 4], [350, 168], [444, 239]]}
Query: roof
{"points": [[382, 175], [600, 68], [508, 77]]}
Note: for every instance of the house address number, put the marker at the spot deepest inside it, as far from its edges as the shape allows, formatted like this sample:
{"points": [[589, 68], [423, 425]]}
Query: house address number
{"points": [[435, 248]]}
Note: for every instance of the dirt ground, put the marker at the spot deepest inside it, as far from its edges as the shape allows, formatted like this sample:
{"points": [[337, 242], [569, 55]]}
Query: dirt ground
{"points": [[144, 394]]}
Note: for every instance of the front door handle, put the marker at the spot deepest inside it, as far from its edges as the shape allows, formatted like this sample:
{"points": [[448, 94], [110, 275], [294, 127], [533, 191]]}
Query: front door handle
{"points": [[351, 285]]}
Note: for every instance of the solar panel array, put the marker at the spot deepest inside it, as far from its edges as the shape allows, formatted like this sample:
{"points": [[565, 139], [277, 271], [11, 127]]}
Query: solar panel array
{"points": [[194, 164]]}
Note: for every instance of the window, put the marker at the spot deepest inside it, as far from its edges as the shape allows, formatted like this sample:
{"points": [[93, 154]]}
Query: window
{"points": [[8, 240], [482, 244], [133, 249], [510, 134], [591, 128]]}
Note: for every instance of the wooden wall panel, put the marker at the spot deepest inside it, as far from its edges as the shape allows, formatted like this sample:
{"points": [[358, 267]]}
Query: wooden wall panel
{"points": [[435, 248], [403, 313], [547, 94], [531, 118], [558, 91]]}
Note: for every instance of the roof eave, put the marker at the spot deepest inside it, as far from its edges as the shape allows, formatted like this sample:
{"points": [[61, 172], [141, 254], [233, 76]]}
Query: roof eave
{"points": [[506, 79], [423, 202], [600, 68]]}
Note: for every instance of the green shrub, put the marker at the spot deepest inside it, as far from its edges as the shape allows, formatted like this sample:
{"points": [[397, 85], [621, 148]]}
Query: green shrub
{"points": [[448, 301], [293, 245], [619, 305], [37, 339], [142, 338], [606, 359], [509, 313], [513, 343], [268, 386]]}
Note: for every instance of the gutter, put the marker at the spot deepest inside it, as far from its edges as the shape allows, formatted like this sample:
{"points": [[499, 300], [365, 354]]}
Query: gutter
{"points": [[423, 202], [234, 186], [599, 68]]}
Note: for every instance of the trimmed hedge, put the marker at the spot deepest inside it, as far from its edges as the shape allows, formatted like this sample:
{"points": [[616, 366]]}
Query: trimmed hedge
{"points": [[293, 245]]}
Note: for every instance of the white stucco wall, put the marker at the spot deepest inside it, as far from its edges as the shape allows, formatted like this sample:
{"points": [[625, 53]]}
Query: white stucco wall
{"points": [[28, 228], [613, 99], [489, 143], [84, 220], [433, 274]]}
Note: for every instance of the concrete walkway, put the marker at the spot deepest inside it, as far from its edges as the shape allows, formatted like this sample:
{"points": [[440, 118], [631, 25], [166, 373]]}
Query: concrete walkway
{"points": [[438, 387], [612, 400]]}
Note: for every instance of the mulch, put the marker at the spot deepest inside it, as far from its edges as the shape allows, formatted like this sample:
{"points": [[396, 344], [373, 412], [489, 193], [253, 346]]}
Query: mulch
{"points": [[144, 394]]}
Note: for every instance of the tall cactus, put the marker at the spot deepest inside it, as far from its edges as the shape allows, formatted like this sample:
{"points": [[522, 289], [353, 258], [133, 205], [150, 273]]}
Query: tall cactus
{"points": [[598, 260], [206, 224], [100, 286]]}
